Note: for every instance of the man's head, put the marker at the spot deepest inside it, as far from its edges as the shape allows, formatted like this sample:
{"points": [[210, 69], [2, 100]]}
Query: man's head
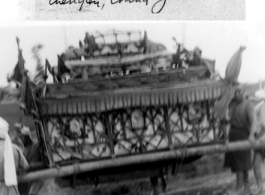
{"points": [[23, 134], [239, 95]]}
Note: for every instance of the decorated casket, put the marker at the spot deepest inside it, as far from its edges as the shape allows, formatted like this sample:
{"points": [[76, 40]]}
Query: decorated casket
{"points": [[86, 125], [126, 98]]}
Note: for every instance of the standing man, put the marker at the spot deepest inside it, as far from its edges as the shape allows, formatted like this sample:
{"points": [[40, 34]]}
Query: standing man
{"points": [[90, 44], [176, 63], [12, 162], [241, 119]]}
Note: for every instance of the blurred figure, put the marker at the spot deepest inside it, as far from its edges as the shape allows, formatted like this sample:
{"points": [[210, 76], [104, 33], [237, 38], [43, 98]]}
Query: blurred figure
{"points": [[154, 180], [195, 57], [30, 146], [80, 45], [87, 39], [259, 128], [12, 161], [176, 63], [90, 44], [241, 113], [31, 151]]}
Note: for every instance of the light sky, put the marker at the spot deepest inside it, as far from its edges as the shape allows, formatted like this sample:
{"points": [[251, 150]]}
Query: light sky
{"points": [[217, 40]]}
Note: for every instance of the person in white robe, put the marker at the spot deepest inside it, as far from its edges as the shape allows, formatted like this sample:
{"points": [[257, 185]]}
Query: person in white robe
{"points": [[12, 162]]}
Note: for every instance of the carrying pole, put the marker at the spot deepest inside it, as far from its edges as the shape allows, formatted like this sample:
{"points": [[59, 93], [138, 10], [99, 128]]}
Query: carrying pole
{"points": [[139, 159]]}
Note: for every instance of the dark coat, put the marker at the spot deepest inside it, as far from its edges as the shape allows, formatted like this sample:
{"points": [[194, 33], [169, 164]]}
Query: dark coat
{"points": [[241, 121]]}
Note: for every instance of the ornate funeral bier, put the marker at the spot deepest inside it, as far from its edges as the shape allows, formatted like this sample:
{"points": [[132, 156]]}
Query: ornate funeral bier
{"points": [[119, 94]]}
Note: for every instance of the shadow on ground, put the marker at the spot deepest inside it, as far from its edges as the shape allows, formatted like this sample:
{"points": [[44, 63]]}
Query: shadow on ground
{"points": [[205, 176]]}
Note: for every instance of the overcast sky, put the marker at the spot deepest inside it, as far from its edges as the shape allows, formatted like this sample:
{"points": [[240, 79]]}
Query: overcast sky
{"points": [[218, 40]]}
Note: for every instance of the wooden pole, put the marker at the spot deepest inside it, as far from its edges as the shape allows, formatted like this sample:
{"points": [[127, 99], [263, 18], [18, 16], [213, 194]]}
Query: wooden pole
{"points": [[139, 159], [45, 73]]}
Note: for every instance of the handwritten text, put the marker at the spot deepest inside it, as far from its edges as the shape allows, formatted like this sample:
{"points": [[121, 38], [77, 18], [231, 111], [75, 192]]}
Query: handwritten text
{"points": [[81, 2], [156, 8]]}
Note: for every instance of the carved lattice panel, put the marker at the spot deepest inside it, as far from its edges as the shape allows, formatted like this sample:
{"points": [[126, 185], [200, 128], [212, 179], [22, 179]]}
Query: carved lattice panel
{"points": [[132, 131], [155, 136], [192, 124], [96, 138], [139, 130], [78, 137], [219, 126], [180, 132], [56, 141]]}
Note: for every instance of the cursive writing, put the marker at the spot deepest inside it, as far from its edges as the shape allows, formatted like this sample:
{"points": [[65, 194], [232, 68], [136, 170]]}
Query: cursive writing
{"points": [[129, 1], [156, 8], [81, 2]]}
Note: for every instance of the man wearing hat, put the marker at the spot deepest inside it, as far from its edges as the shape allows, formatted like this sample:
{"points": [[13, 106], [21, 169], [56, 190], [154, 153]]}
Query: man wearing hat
{"points": [[12, 161]]}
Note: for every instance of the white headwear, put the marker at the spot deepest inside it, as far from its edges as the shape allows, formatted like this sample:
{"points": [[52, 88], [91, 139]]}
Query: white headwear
{"points": [[259, 108], [261, 92], [25, 131], [10, 175]]}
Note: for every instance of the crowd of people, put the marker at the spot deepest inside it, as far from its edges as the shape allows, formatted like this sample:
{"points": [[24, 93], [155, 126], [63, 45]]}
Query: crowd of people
{"points": [[247, 122]]}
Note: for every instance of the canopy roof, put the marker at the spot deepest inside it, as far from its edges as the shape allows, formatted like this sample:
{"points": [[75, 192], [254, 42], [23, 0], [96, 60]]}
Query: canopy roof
{"points": [[158, 79], [115, 61], [134, 97], [175, 86]]}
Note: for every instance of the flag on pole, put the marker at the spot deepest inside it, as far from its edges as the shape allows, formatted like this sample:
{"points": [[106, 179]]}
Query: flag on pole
{"points": [[62, 69], [27, 96], [16, 75], [19, 69], [49, 67], [233, 67], [231, 76], [222, 105], [210, 64], [20, 76], [145, 43], [53, 71]]}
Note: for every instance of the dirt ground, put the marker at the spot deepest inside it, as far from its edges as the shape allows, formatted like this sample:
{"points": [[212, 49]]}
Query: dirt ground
{"points": [[203, 177]]}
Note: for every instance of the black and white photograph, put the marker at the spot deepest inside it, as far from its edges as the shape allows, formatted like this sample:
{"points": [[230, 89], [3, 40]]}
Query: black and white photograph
{"points": [[132, 108]]}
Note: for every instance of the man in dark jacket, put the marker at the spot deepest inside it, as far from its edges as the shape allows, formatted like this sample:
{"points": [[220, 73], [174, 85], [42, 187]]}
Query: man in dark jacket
{"points": [[241, 120]]}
